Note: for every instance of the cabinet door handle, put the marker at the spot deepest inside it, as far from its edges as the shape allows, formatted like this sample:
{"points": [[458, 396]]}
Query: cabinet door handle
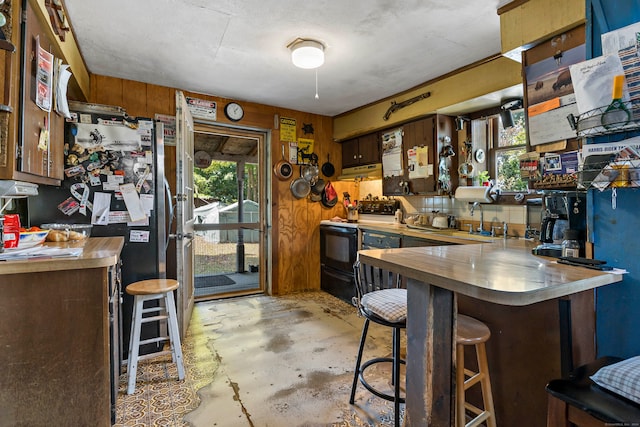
{"points": [[354, 157], [360, 156]]}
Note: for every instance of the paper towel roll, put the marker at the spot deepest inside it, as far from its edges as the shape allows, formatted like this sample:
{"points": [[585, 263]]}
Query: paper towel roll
{"points": [[474, 194]]}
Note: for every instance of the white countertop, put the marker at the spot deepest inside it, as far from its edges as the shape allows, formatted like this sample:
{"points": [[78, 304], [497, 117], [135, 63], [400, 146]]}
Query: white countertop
{"points": [[502, 272]]}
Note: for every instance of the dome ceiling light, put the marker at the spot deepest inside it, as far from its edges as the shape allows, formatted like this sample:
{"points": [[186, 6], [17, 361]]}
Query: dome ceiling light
{"points": [[307, 53]]}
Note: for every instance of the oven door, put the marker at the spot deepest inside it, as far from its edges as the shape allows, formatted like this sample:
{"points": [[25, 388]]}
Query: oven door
{"points": [[338, 247], [338, 284]]}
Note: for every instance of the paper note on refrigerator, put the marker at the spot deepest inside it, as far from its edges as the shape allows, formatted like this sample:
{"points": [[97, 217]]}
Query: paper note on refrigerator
{"points": [[132, 201], [101, 204]]}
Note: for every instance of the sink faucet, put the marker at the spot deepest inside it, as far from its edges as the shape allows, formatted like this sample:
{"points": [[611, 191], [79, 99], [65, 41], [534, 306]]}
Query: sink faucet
{"points": [[473, 207]]}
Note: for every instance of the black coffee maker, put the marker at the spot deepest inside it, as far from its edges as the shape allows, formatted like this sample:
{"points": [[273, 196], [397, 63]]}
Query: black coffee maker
{"points": [[561, 211]]}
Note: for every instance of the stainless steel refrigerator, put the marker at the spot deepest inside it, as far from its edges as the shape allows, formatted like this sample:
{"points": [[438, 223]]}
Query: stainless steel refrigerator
{"points": [[105, 148]]}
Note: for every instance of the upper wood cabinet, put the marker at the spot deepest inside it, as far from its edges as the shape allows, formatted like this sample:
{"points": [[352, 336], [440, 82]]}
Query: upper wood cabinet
{"points": [[34, 150], [432, 132], [363, 150]]}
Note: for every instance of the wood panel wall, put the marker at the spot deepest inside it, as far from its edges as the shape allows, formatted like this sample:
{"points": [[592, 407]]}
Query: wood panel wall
{"points": [[295, 230]]}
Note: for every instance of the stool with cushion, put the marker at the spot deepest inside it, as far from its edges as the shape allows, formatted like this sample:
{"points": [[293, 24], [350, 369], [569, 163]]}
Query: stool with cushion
{"points": [[147, 290], [473, 332], [605, 392], [380, 299]]}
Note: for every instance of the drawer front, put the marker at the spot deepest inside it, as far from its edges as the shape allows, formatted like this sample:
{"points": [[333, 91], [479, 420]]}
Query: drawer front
{"points": [[414, 242], [379, 240]]}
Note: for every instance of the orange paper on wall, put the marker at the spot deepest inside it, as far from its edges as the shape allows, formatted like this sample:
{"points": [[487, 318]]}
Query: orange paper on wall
{"points": [[543, 107]]}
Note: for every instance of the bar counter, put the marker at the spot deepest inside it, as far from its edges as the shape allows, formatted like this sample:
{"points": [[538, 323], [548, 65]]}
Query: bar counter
{"points": [[502, 273]]}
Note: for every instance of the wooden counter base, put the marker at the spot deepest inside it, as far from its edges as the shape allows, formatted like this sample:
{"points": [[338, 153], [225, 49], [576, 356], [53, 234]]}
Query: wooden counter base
{"points": [[54, 333]]}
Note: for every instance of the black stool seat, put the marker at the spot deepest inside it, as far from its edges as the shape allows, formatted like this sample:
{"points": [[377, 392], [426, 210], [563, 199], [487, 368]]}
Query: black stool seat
{"points": [[580, 391]]}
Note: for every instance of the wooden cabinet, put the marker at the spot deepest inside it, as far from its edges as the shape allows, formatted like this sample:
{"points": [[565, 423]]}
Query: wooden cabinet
{"points": [[416, 242], [434, 132], [373, 239], [27, 154], [55, 331], [363, 150]]}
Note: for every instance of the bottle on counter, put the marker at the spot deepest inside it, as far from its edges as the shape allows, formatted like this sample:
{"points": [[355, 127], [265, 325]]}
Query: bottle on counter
{"points": [[398, 218], [571, 245]]}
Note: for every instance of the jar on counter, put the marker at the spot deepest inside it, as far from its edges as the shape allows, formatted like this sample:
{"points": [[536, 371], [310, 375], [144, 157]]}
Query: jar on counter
{"points": [[571, 244], [398, 216]]}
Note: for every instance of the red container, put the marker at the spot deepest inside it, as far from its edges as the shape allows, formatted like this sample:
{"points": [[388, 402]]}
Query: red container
{"points": [[11, 233]]}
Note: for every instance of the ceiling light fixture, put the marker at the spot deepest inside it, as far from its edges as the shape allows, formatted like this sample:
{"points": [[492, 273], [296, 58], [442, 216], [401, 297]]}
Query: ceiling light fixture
{"points": [[306, 53]]}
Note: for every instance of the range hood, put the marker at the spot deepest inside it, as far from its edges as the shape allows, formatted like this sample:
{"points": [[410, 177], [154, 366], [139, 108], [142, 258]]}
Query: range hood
{"points": [[359, 173], [17, 189]]}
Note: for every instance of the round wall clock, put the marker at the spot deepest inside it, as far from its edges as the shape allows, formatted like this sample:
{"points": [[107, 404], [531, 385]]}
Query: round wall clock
{"points": [[234, 111], [202, 159], [479, 155]]}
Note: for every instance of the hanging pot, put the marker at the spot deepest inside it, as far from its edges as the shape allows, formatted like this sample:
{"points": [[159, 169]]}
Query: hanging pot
{"points": [[310, 173], [283, 168], [328, 169], [329, 196], [318, 187], [315, 197]]}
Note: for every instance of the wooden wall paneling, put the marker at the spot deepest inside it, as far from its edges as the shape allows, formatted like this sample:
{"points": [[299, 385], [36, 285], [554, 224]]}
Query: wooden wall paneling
{"points": [[295, 232], [161, 100], [134, 96], [107, 91]]}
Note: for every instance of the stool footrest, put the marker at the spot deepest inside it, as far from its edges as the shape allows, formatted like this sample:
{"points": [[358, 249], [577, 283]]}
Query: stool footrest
{"points": [[153, 355], [372, 389], [154, 340], [153, 309], [473, 379], [482, 417], [153, 318]]}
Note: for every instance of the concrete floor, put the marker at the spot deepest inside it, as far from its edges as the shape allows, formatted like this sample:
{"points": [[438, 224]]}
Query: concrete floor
{"points": [[286, 361]]}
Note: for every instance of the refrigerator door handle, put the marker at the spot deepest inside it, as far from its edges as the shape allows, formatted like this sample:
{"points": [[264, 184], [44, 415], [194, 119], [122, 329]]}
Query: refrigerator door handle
{"points": [[169, 198], [180, 236]]}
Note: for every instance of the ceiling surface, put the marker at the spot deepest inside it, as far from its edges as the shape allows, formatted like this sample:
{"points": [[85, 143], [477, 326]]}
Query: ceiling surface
{"points": [[238, 48]]}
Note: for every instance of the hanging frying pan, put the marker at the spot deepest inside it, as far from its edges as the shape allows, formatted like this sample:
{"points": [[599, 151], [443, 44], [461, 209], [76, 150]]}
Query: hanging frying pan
{"points": [[328, 169], [283, 168], [300, 187], [318, 187]]}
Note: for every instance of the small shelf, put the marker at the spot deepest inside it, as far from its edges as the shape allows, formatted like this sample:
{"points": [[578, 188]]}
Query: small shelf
{"points": [[604, 173], [606, 121]]}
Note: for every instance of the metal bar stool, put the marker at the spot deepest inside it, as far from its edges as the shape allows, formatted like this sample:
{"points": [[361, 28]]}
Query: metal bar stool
{"points": [[471, 331], [147, 290], [381, 300]]}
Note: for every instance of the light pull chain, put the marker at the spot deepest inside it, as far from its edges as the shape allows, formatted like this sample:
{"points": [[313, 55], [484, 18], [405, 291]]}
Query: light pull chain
{"points": [[317, 97]]}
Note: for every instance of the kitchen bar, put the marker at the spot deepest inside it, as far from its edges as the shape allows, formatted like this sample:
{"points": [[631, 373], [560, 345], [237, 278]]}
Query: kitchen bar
{"points": [[501, 272]]}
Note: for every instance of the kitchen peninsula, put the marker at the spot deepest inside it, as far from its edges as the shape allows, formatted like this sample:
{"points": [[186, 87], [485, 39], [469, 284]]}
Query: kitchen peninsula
{"points": [[494, 281], [55, 335]]}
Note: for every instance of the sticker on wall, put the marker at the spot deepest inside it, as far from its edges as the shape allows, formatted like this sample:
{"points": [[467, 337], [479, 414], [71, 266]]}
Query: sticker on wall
{"points": [[288, 130]]}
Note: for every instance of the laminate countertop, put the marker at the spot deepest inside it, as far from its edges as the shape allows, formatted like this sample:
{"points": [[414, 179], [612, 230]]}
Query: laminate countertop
{"points": [[499, 271], [97, 252]]}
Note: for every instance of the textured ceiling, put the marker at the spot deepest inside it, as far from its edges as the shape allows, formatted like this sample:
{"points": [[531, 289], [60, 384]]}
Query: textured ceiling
{"points": [[238, 48]]}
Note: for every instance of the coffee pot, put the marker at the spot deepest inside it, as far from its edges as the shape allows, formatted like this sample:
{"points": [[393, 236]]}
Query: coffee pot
{"points": [[553, 228]]}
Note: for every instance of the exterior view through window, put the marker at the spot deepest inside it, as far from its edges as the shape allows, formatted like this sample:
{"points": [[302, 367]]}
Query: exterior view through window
{"points": [[511, 144]]}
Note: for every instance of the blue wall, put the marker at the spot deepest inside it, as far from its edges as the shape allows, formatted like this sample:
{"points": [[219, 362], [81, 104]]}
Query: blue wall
{"points": [[615, 232]]}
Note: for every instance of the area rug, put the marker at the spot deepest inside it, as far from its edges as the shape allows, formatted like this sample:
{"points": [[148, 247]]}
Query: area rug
{"points": [[210, 281]]}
